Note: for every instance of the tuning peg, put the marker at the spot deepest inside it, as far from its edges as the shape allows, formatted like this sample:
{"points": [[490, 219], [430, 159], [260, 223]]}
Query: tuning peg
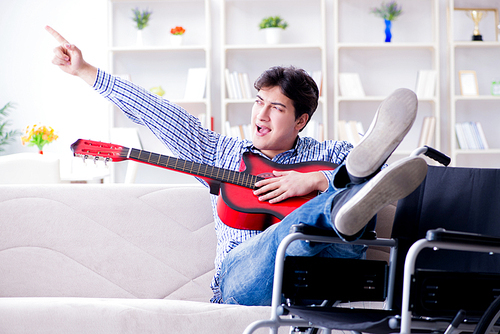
{"points": [[95, 160], [106, 161]]}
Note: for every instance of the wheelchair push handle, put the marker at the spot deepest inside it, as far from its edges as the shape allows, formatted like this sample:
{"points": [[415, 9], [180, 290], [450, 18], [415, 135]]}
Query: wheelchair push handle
{"points": [[434, 154]]}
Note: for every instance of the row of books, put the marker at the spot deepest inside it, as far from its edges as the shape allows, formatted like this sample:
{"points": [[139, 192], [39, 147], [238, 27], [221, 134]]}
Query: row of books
{"points": [[313, 129], [471, 136], [350, 84], [239, 87], [242, 131], [351, 131]]}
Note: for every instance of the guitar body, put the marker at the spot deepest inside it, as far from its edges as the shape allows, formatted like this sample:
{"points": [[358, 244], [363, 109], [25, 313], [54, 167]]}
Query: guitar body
{"points": [[238, 207]]}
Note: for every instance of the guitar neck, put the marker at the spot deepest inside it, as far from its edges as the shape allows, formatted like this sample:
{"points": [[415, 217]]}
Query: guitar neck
{"points": [[193, 168]]}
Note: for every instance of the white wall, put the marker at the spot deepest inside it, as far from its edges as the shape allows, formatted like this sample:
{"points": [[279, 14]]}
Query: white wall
{"points": [[43, 93]]}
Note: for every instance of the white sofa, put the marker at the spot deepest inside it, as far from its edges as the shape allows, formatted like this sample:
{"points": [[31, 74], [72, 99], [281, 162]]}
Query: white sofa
{"points": [[111, 258]]}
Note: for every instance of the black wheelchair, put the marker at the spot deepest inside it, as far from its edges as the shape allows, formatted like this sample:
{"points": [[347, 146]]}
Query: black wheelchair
{"points": [[443, 274]]}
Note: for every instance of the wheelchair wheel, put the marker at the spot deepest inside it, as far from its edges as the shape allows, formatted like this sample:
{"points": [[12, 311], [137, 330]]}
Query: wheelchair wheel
{"points": [[489, 318]]}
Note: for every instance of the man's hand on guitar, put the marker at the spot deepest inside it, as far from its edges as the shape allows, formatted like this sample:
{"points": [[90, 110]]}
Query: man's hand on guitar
{"points": [[290, 184], [69, 59]]}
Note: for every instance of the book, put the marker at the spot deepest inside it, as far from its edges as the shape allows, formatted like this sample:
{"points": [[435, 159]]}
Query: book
{"points": [[350, 85], [351, 131], [482, 136], [238, 85], [247, 87], [470, 136], [203, 120], [459, 131], [427, 132], [343, 130], [196, 83], [318, 79], [241, 131], [426, 84], [314, 129], [229, 85]]}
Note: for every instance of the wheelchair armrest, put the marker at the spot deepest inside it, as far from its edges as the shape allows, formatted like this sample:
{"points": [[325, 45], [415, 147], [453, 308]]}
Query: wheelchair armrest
{"points": [[441, 234], [311, 230]]}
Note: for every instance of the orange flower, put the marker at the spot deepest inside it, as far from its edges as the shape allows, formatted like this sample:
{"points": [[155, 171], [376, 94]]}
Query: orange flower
{"points": [[177, 30]]}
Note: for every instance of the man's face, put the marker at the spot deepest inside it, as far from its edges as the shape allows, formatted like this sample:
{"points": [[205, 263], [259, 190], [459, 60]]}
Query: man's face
{"points": [[274, 127]]}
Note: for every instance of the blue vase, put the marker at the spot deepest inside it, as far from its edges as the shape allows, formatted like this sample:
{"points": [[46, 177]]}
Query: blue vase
{"points": [[388, 34]]}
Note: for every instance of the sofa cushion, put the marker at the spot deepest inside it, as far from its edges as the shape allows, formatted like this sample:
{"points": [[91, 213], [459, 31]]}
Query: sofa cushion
{"points": [[106, 241]]}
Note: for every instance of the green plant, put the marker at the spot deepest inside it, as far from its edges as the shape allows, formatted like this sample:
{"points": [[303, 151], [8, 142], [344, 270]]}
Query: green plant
{"points": [[273, 22], [141, 18], [388, 11], [6, 136]]}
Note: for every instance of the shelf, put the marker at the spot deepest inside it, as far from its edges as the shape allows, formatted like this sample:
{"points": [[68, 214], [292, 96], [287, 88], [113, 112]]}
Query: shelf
{"points": [[180, 101], [476, 98], [271, 47], [245, 101], [478, 44], [488, 151], [391, 45], [376, 99], [118, 49]]}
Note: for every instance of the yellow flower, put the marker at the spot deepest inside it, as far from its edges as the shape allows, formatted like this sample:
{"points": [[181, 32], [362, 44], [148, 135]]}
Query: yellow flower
{"points": [[38, 135]]}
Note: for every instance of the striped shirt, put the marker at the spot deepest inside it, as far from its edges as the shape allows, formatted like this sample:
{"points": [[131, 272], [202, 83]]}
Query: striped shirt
{"points": [[187, 139]]}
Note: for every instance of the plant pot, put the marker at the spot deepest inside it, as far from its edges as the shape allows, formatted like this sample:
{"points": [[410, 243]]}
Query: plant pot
{"points": [[273, 35], [139, 40], [388, 34], [176, 40]]}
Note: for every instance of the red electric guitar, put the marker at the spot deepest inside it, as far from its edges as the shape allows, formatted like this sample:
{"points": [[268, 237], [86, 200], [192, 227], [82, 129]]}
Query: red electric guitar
{"points": [[237, 206]]}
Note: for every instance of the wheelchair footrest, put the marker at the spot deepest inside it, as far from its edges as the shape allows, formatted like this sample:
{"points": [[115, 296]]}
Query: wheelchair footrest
{"points": [[344, 280]]}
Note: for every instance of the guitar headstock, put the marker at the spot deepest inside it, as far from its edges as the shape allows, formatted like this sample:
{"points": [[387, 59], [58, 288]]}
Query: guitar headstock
{"points": [[99, 150]]}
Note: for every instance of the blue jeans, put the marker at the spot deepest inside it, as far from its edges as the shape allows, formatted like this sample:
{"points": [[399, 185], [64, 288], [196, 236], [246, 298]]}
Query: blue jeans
{"points": [[247, 272]]}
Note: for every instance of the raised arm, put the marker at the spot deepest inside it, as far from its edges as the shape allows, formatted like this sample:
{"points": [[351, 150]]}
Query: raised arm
{"points": [[69, 59]]}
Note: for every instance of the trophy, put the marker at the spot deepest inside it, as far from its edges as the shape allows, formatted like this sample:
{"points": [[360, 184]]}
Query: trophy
{"points": [[476, 16]]}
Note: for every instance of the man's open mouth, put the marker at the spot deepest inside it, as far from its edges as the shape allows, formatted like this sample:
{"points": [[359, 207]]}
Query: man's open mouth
{"points": [[263, 130]]}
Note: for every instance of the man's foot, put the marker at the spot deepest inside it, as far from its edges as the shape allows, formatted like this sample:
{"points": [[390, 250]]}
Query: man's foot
{"points": [[393, 183], [393, 120]]}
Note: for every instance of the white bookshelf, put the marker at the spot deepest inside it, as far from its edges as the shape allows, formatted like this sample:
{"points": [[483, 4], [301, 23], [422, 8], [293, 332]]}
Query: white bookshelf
{"points": [[244, 50], [359, 47], [465, 54], [157, 62]]}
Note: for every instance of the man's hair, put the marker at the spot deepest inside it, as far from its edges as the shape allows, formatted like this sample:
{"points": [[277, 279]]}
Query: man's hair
{"points": [[296, 84]]}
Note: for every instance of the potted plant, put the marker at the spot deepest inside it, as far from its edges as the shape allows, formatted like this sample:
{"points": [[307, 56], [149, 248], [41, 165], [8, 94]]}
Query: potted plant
{"points": [[6, 136], [141, 19], [388, 12], [176, 35], [273, 26]]}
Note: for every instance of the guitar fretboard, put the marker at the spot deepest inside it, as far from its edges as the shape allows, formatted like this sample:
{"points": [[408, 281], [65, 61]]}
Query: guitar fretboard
{"points": [[216, 173]]}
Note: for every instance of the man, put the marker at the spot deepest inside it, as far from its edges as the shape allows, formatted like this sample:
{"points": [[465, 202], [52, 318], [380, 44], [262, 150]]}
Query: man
{"points": [[285, 102]]}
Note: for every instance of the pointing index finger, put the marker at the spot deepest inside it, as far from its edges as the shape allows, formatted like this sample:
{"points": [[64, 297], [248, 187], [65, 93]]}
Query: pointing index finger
{"points": [[56, 35]]}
